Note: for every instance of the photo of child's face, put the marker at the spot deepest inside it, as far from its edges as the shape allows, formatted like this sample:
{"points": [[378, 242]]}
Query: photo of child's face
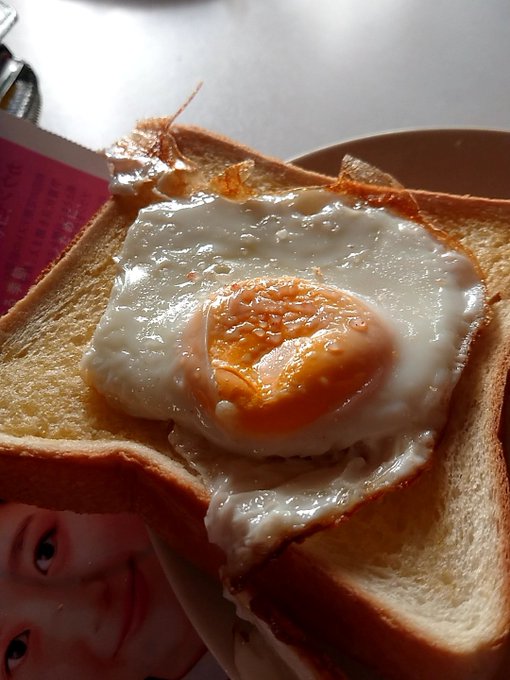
{"points": [[84, 596]]}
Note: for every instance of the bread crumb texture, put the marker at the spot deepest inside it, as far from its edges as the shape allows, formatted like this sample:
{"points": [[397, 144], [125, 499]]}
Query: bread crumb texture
{"points": [[429, 551], [43, 393], [481, 226]]}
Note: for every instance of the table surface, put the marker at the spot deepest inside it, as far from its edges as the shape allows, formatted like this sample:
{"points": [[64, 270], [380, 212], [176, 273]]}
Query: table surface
{"points": [[284, 76]]}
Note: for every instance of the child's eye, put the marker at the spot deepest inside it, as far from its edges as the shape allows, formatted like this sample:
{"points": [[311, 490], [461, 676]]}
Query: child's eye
{"points": [[15, 652], [45, 551]]}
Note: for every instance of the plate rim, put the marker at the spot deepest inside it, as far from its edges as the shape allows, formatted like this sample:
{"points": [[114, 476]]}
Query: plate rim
{"points": [[400, 132]]}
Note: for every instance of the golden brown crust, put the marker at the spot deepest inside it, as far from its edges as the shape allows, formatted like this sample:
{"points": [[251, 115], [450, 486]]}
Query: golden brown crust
{"points": [[269, 174], [108, 479]]}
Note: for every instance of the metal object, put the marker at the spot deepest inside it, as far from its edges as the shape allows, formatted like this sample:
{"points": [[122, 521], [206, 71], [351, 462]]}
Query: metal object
{"points": [[19, 92], [10, 68]]}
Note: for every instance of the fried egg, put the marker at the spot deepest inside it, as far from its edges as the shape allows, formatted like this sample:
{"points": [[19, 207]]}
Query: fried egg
{"points": [[304, 345]]}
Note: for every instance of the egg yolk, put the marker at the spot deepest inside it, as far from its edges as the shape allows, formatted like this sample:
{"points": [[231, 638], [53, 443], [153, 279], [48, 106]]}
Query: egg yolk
{"points": [[274, 355]]}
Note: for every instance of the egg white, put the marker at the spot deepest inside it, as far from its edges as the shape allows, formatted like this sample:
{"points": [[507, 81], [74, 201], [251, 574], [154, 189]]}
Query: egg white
{"points": [[178, 253]]}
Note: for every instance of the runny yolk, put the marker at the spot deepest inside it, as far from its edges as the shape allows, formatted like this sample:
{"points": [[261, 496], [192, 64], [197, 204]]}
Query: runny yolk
{"points": [[282, 352]]}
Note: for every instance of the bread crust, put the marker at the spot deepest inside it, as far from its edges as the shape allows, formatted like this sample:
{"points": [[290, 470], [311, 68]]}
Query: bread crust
{"points": [[81, 455]]}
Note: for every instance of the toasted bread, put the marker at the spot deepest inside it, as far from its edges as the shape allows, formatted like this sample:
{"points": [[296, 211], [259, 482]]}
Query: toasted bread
{"points": [[415, 584]]}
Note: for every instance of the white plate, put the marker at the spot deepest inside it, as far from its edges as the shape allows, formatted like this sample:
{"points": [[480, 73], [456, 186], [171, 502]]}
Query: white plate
{"points": [[456, 161], [459, 161]]}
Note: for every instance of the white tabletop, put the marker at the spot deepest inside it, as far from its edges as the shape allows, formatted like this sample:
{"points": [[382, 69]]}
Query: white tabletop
{"points": [[285, 76]]}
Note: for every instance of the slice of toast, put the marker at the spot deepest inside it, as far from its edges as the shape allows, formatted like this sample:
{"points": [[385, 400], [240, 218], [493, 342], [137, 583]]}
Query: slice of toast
{"points": [[362, 583]]}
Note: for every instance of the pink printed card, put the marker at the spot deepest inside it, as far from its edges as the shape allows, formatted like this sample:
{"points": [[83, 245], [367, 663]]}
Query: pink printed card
{"points": [[43, 204]]}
